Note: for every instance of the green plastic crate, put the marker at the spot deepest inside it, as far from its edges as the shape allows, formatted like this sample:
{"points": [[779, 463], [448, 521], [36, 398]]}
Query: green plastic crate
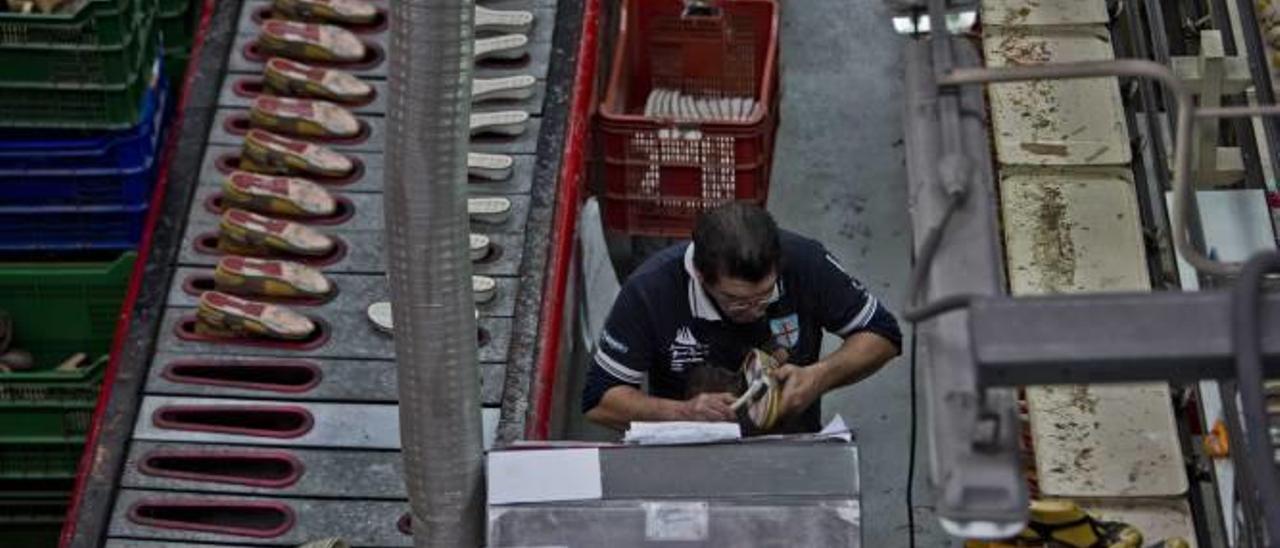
{"points": [[96, 22], [88, 107], [177, 27], [31, 523], [39, 461], [175, 66], [173, 6], [97, 64], [58, 310]]}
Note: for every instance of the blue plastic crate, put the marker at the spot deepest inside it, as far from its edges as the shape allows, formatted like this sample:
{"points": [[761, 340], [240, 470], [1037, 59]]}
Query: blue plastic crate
{"points": [[112, 169], [45, 148], [71, 228], [87, 179]]}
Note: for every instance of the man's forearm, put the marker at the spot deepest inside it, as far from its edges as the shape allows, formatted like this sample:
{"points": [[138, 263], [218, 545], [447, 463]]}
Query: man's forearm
{"points": [[860, 355], [623, 404]]}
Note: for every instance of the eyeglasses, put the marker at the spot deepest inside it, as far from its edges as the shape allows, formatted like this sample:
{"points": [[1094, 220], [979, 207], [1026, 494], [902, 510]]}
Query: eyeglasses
{"points": [[731, 303]]}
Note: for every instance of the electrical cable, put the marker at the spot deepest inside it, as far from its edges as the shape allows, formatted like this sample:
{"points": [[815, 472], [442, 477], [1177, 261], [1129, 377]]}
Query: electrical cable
{"points": [[911, 449], [916, 282], [956, 187], [1247, 343], [938, 307]]}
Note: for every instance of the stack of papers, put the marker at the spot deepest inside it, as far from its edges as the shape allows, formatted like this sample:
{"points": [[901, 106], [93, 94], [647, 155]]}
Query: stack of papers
{"points": [[682, 433]]}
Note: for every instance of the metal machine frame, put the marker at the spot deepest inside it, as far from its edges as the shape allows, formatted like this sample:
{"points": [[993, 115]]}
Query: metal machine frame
{"points": [[975, 344]]}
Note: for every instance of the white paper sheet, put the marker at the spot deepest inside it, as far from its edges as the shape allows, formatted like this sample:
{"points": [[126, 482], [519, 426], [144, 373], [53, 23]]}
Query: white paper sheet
{"points": [[679, 433], [544, 475]]}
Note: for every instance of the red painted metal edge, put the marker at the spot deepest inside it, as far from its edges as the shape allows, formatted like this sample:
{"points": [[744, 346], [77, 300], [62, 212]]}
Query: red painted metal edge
{"points": [[564, 223], [169, 417], [287, 519], [177, 372], [149, 465], [135, 281]]}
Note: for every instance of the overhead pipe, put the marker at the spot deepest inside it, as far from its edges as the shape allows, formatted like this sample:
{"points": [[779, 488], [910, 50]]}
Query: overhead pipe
{"points": [[428, 259]]}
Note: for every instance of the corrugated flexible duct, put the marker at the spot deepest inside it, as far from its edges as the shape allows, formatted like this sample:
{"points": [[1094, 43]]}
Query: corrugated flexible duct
{"points": [[428, 125]]}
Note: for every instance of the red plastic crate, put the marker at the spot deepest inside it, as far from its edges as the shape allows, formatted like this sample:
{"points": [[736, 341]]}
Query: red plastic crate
{"points": [[660, 172]]}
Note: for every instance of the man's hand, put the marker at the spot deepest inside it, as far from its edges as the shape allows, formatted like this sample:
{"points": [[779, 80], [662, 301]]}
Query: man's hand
{"points": [[801, 386], [710, 407]]}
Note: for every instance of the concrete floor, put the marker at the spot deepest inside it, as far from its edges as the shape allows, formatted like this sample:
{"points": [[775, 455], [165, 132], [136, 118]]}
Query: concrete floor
{"points": [[839, 177]]}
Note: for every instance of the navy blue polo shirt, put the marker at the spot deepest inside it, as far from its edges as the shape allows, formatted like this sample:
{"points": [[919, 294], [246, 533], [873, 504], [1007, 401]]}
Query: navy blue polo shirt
{"points": [[663, 324]]}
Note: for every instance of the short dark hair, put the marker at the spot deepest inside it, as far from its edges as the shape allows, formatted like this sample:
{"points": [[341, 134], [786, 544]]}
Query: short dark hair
{"points": [[737, 239]]}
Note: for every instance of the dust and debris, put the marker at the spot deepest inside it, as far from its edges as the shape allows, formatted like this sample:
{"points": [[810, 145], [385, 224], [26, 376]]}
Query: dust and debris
{"points": [[1083, 400], [1053, 249], [1044, 149], [1097, 154], [1036, 102]]}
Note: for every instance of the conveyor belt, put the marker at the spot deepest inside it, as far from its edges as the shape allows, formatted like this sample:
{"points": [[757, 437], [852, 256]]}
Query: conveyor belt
{"points": [[347, 434], [1071, 224]]}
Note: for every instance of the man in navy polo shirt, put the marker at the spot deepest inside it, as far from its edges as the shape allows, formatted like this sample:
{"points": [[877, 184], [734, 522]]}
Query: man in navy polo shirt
{"points": [[686, 319]]}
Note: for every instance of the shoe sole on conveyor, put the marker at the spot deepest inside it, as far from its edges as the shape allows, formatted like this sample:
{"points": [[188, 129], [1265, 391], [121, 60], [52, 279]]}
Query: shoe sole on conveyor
{"points": [[339, 12], [511, 21], [495, 210], [269, 278], [484, 288], [480, 247], [259, 232], [277, 195], [511, 88], [228, 314], [490, 167], [267, 152], [303, 117], [310, 42], [509, 123], [296, 79], [508, 47]]}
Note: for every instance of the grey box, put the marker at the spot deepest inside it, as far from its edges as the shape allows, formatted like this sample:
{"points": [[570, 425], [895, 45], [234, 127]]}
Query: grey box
{"points": [[782, 494]]}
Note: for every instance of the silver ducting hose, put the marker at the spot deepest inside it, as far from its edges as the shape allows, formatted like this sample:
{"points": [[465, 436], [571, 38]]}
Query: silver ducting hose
{"points": [[430, 268]]}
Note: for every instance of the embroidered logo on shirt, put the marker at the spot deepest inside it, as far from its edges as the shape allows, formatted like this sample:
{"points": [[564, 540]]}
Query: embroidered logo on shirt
{"points": [[786, 330], [686, 350]]}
